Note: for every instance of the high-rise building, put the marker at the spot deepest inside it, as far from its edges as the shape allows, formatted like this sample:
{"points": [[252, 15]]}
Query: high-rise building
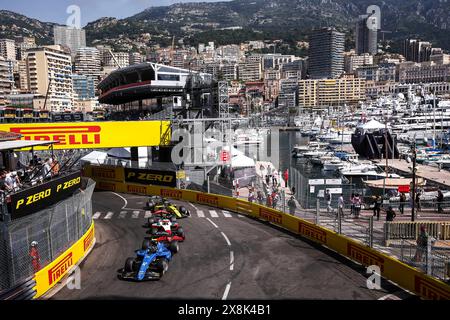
{"points": [[8, 49], [71, 38], [249, 71], [50, 68], [23, 45], [115, 59], [353, 61], [6, 79], [22, 76], [366, 38], [135, 58], [87, 62], [83, 87], [417, 50], [326, 53]]}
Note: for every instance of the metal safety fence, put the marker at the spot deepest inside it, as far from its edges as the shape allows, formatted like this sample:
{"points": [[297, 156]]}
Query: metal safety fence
{"points": [[54, 230]]}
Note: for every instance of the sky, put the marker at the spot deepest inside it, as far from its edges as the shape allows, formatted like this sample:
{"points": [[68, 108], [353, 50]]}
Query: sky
{"points": [[90, 10]]}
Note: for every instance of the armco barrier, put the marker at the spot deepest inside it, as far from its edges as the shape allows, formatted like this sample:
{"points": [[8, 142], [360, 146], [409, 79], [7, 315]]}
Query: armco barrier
{"points": [[405, 276], [49, 276], [24, 291]]}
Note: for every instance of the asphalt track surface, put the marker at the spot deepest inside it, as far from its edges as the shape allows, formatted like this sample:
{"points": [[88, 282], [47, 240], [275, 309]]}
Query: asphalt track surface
{"points": [[265, 263]]}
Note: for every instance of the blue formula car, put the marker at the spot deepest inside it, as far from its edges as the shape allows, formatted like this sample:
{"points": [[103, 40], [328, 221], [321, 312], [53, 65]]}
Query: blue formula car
{"points": [[151, 262]]}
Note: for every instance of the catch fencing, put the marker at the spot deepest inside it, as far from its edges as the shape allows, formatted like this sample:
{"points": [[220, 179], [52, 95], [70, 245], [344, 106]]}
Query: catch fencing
{"points": [[55, 229]]}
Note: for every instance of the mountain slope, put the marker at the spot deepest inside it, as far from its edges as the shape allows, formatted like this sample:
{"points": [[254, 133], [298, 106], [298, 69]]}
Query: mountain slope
{"points": [[14, 25], [257, 19]]}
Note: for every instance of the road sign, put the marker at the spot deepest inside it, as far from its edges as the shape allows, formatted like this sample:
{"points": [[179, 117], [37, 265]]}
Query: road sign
{"points": [[312, 189], [316, 182], [333, 181]]}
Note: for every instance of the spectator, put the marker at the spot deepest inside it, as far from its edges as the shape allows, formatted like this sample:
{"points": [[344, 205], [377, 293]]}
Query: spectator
{"points": [[260, 197], [390, 214], [401, 207], [275, 199], [292, 206], [352, 204], [357, 205], [251, 196], [269, 200], [377, 207], [341, 205], [12, 181], [422, 243], [55, 167], [440, 199], [328, 201], [419, 208], [293, 190], [286, 178], [46, 170]]}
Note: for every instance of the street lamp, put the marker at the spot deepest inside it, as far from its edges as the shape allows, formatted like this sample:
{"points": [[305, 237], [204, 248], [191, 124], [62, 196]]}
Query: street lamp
{"points": [[413, 189]]}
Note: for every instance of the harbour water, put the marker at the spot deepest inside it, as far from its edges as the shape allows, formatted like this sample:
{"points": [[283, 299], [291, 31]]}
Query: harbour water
{"points": [[301, 172]]}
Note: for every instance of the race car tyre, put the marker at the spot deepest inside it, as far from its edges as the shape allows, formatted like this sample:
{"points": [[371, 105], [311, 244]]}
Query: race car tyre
{"points": [[146, 244], [173, 219], [153, 231], [180, 232], [151, 221], [162, 266], [129, 265], [174, 247], [183, 210]]}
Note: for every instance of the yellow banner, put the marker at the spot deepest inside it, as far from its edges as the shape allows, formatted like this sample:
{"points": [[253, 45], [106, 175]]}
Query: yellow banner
{"points": [[49, 276], [90, 135]]}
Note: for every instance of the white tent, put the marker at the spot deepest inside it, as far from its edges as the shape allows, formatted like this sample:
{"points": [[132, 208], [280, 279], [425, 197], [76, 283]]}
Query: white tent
{"points": [[95, 157], [242, 161], [372, 125]]}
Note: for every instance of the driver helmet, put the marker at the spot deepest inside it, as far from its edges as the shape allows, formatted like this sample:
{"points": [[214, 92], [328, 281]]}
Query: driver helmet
{"points": [[34, 243]]}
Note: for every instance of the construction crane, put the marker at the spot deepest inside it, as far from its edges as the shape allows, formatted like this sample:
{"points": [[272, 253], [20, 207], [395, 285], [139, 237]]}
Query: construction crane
{"points": [[114, 58], [383, 32]]}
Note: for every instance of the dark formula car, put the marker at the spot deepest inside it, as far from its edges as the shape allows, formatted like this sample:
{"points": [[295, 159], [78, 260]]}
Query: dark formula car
{"points": [[150, 263]]}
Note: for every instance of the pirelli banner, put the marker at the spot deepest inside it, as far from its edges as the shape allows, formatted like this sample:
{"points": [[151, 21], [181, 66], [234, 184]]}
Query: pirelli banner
{"points": [[93, 135], [151, 177], [49, 276], [43, 195]]}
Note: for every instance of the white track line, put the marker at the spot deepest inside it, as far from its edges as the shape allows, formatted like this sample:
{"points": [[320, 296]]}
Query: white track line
{"points": [[226, 238], [195, 208], [231, 260], [96, 215], [122, 214], [226, 214], [227, 290], [240, 216], [148, 214], [135, 214], [109, 215], [200, 214], [213, 213], [215, 225], [125, 200]]}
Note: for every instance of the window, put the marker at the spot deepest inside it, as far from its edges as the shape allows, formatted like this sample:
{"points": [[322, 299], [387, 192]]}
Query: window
{"points": [[168, 77]]}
